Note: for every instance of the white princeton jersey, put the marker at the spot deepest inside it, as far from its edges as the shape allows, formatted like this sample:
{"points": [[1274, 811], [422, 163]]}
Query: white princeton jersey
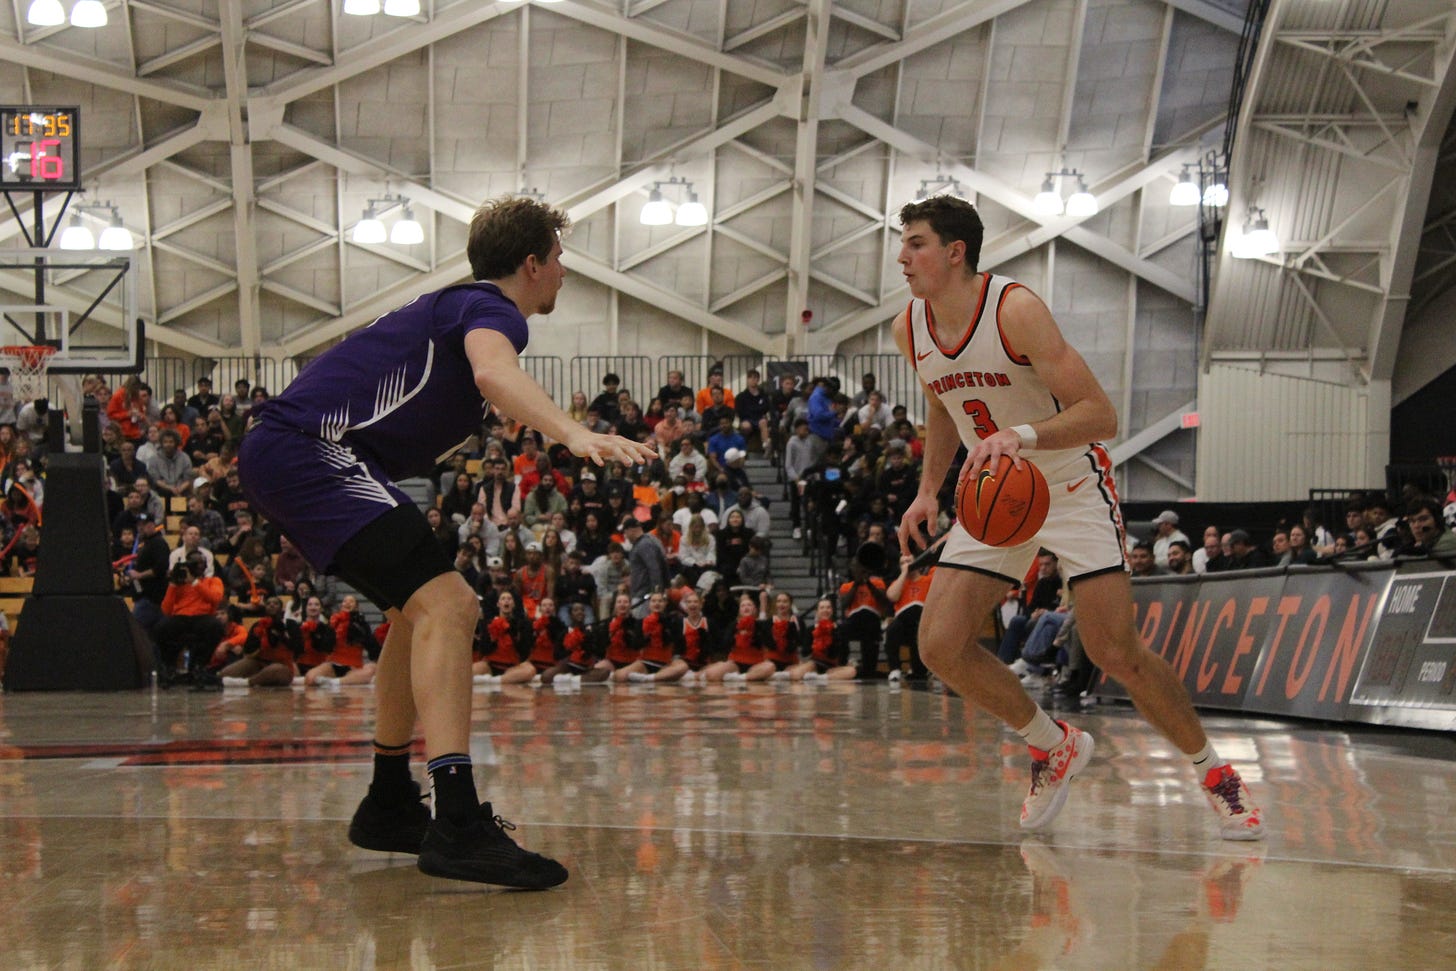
{"points": [[984, 382]]}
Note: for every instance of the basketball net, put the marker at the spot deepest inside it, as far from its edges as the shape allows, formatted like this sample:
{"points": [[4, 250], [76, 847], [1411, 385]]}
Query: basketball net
{"points": [[27, 364]]}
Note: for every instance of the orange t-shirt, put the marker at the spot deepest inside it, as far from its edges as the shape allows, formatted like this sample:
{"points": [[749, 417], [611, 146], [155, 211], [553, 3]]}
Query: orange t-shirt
{"points": [[914, 591], [863, 600], [705, 399]]}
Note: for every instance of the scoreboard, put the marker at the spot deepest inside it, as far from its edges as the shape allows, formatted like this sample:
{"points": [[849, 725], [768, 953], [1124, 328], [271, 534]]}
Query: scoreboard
{"points": [[40, 147]]}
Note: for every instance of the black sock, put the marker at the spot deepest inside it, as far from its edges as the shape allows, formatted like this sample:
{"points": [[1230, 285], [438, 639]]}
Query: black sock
{"points": [[391, 768], [452, 789]]}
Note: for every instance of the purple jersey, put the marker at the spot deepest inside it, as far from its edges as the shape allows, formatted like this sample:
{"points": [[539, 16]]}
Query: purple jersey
{"points": [[401, 391]]}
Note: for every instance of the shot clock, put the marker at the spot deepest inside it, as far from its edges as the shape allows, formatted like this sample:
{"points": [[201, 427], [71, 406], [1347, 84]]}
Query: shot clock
{"points": [[40, 147]]}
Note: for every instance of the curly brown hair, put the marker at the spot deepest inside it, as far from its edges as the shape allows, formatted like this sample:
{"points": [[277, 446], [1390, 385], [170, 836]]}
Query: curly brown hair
{"points": [[504, 231]]}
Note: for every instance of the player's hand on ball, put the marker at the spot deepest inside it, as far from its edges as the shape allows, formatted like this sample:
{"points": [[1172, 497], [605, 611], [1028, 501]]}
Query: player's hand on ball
{"points": [[988, 451]]}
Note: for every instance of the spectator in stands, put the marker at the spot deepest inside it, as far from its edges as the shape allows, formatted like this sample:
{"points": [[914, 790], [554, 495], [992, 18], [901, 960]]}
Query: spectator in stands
{"points": [[867, 384], [1244, 554], [754, 412], [688, 455], [1043, 595], [1381, 518], [668, 433], [171, 420], [131, 511], [575, 586], [735, 469], [1319, 539], [498, 492], [1180, 558], [204, 400], [753, 569], [630, 424], [695, 504], [755, 514], [898, 480], [704, 399], [823, 419], [228, 498], [718, 410], [698, 551], [207, 521], [131, 410], [541, 503], [124, 469], [478, 525], [671, 393], [1300, 551], [612, 576], [22, 555], [192, 543], [1209, 558], [289, 567], [874, 413], [456, 501], [233, 418], [189, 628], [447, 535], [1279, 554], [151, 503], [533, 580], [647, 562], [170, 470], [1141, 563], [148, 572], [1354, 515], [606, 404], [578, 408], [1165, 529], [1428, 530], [732, 542]]}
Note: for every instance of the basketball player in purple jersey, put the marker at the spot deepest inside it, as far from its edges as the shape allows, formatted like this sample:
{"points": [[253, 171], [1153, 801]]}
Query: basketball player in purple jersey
{"points": [[1000, 378], [321, 459]]}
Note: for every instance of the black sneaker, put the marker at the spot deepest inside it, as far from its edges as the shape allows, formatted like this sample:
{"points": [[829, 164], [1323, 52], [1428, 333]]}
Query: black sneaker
{"points": [[483, 853], [395, 824]]}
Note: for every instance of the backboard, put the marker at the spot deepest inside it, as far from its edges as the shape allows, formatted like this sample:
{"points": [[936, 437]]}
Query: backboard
{"points": [[82, 302]]}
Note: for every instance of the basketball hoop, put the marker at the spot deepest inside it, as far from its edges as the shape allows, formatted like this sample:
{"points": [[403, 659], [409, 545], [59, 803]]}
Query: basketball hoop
{"points": [[27, 363]]}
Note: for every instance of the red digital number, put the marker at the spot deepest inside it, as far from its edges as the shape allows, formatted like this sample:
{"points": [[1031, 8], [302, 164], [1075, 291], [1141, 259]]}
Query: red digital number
{"points": [[980, 417], [43, 165]]}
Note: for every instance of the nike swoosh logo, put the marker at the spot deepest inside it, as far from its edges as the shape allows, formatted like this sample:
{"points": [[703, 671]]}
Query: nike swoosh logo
{"points": [[1074, 486], [985, 478], [921, 357]]}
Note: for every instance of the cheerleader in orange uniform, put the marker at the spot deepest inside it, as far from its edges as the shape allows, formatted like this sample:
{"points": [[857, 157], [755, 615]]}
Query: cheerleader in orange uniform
{"points": [[234, 636], [662, 647], [352, 659], [747, 654], [583, 661], [827, 650], [621, 638], [313, 638], [498, 654], [547, 633], [785, 634], [267, 653]]}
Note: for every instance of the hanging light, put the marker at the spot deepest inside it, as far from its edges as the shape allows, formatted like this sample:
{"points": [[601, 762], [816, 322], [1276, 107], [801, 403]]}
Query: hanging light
{"points": [[1048, 201], [402, 8], [369, 229], [361, 8], [88, 13], [407, 232], [45, 13], [1081, 204], [692, 212], [116, 236], [658, 211], [1258, 239], [76, 235], [1216, 196], [1186, 192]]}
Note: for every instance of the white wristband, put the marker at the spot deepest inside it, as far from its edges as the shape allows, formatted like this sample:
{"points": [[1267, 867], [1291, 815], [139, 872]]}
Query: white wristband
{"points": [[1027, 434]]}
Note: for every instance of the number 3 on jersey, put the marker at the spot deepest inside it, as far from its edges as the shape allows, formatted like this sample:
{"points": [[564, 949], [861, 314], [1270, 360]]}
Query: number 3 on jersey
{"points": [[980, 417]]}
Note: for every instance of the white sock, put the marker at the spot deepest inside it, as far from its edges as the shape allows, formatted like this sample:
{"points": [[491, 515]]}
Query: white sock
{"points": [[1206, 758], [1041, 732]]}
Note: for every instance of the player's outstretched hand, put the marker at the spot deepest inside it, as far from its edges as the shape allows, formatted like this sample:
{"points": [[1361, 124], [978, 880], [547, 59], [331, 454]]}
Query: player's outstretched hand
{"points": [[913, 532], [600, 449]]}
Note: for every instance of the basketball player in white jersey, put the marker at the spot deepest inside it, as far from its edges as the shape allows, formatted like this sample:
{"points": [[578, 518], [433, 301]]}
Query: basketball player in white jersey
{"points": [[999, 377]]}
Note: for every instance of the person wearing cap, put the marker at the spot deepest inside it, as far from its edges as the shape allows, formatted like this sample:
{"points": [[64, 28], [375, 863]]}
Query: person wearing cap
{"points": [[704, 399], [1166, 529], [148, 572], [534, 579], [1244, 554], [575, 586]]}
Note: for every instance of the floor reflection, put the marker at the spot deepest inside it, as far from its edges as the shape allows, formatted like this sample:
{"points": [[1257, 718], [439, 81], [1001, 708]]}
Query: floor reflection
{"points": [[853, 827]]}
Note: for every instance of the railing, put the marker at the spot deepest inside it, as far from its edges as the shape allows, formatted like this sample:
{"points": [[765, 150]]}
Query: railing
{"points": [[894, 376]]}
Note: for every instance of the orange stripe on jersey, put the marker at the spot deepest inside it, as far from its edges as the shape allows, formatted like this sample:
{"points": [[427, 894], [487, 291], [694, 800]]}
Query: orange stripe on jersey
{"points": [[1016, 358], [970, 331], [1108, 484], [910, 334]]}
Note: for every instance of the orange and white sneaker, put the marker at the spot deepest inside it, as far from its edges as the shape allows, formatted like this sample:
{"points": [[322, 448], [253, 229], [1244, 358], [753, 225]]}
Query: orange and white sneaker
{"points": [[1238, 817], [1050, 774]]}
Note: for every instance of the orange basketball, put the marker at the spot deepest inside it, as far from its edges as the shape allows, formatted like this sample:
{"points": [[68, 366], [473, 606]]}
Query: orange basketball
{"points": [[1004, 507]]}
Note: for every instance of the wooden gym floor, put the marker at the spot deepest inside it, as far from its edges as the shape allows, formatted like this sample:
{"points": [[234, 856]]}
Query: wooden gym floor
{"points": [[853, 826]]}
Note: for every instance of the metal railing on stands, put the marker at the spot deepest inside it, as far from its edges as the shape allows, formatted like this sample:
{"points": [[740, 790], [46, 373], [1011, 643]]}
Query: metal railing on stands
{"points": [[895, 377], [547, 372], [695, 369], [638, 374]]}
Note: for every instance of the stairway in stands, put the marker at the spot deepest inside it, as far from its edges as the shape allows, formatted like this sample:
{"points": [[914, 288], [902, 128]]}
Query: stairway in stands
{"points": [[788, 565]]}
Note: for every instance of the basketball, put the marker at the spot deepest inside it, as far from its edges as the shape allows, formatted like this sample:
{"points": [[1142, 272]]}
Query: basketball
{"points": [[1005, 506]]}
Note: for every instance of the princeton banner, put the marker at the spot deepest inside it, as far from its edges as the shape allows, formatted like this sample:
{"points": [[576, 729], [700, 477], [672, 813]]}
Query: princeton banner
{"points": [[1362, 642]]}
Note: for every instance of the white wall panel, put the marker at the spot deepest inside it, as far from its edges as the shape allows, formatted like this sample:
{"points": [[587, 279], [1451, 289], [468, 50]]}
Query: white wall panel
{"points": [[1269, 437]]}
